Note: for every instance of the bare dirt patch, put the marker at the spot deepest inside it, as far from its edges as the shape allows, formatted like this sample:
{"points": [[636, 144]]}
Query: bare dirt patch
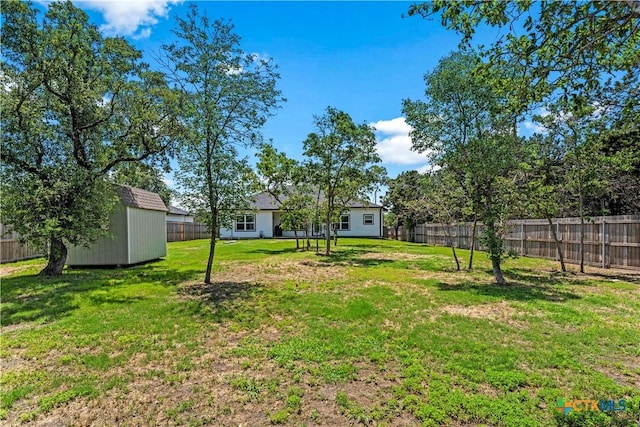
{"points": [[398, 256], [498, 312], [269, 272], [8, 270]]}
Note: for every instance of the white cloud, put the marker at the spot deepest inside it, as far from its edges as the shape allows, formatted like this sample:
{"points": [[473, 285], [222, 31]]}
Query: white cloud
{"points": [[394, 142], [428, 168], [397, 126], [129, 18], [534, 127]]}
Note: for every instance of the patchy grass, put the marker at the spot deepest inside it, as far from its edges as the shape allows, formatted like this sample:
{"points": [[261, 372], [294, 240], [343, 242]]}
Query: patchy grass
{"points": [[381, 332]]}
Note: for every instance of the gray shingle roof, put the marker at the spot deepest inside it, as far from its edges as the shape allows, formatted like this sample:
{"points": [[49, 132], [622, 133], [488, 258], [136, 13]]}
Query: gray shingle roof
{"points": [[177, 211], [141, 199], [265, 201]]}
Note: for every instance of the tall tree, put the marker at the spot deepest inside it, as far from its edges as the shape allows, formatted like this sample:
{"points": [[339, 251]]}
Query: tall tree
{"points": [[227, 97], [445, 200], [466, 126], [406, 188], [284, 179], [75, 105], [543, 184], [577, 133], [342, 157]]}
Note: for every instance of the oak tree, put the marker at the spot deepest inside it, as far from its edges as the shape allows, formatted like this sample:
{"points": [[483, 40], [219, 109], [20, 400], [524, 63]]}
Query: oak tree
{"points": [[75, 105]]}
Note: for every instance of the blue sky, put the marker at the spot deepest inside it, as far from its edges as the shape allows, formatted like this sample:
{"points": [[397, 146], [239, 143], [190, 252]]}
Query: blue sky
{"points": [[361, 57]]}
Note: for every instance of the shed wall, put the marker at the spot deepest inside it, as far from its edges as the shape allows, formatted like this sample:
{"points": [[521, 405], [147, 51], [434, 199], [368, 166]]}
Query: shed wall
{"points": [[147, 235], [110, 250]]}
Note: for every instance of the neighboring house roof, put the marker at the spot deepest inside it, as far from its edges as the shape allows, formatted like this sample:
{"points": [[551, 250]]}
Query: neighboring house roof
{"points": [[265, 201], [177, 211], [141, 199]]}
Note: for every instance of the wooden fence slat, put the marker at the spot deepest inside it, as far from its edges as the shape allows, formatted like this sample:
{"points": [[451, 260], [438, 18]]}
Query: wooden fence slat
{"points": [[183, 231], [609, 241]]}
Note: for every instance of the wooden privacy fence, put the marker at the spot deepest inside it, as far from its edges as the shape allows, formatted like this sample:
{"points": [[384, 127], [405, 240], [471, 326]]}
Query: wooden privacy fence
{"points": [[610, 241], [11, 249], [182, 231]]}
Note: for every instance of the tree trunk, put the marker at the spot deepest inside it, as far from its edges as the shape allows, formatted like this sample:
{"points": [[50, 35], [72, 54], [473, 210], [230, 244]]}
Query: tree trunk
{"points": [[581, 212], [295, 233], [554, 233], [453, 249], [396, 228], [497, 270], [473, 240], [455, 256], [212, 250], [335, 235], [57, 258], [327, 249]]}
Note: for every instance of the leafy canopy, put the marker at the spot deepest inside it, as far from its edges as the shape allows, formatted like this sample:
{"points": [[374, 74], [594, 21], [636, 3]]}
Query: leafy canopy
{"points": [[75, 105]]}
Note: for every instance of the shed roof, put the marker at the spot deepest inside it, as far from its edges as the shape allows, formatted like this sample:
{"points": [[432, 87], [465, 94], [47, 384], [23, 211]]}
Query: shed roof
{"points": [[265, 201], [141, 199]]}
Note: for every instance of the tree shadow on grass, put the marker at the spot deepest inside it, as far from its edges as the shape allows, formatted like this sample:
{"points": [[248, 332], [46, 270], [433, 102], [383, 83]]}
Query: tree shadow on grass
{"points": [[526, 284], [514, 290], [221, 300], [350, 257], [33, 298], [268, 251]]}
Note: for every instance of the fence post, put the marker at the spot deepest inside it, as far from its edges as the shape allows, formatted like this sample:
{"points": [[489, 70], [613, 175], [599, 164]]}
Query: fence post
{"points": [[522, 252], [603, 228], [625, 239]]}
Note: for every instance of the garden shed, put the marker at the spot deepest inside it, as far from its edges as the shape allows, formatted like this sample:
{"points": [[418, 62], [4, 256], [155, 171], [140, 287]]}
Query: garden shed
{"points": [[138, 231]]}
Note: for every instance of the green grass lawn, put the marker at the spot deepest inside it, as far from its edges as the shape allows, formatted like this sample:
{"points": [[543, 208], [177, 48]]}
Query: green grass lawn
{"points": [[380, 333]]}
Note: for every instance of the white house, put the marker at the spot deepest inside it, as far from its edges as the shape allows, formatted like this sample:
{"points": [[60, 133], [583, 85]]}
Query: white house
{"points": [[363, 219]]}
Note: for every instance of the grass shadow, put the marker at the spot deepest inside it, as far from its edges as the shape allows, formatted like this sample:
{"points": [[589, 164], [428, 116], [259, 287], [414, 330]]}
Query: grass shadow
{"points": [[268, 251], [514, 290], [350, 257], [223, 300], [33, 298]]}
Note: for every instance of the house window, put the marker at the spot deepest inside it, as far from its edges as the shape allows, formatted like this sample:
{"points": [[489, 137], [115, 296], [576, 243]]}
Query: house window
{"points": [[246, 222], [367, 219], [344, 222]]}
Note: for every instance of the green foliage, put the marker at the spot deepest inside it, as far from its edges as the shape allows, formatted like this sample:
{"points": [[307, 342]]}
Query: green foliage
{"points": [[226, 97], [467, 129], [402, 194], [561, 44], [286, 181], [342, 162], [145, 176], [75, 105]]}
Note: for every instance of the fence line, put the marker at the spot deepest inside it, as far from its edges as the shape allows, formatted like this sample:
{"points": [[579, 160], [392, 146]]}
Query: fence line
{"points": [[610, 241], [11, 249], [182, 231]]}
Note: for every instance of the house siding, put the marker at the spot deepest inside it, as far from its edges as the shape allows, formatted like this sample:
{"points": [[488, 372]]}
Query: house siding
{"points": [[267, 220], [357, 227], [264, 224]]}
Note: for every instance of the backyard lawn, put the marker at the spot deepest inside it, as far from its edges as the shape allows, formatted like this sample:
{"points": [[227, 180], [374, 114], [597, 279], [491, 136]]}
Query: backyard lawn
{"points": [[380, 333]]}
